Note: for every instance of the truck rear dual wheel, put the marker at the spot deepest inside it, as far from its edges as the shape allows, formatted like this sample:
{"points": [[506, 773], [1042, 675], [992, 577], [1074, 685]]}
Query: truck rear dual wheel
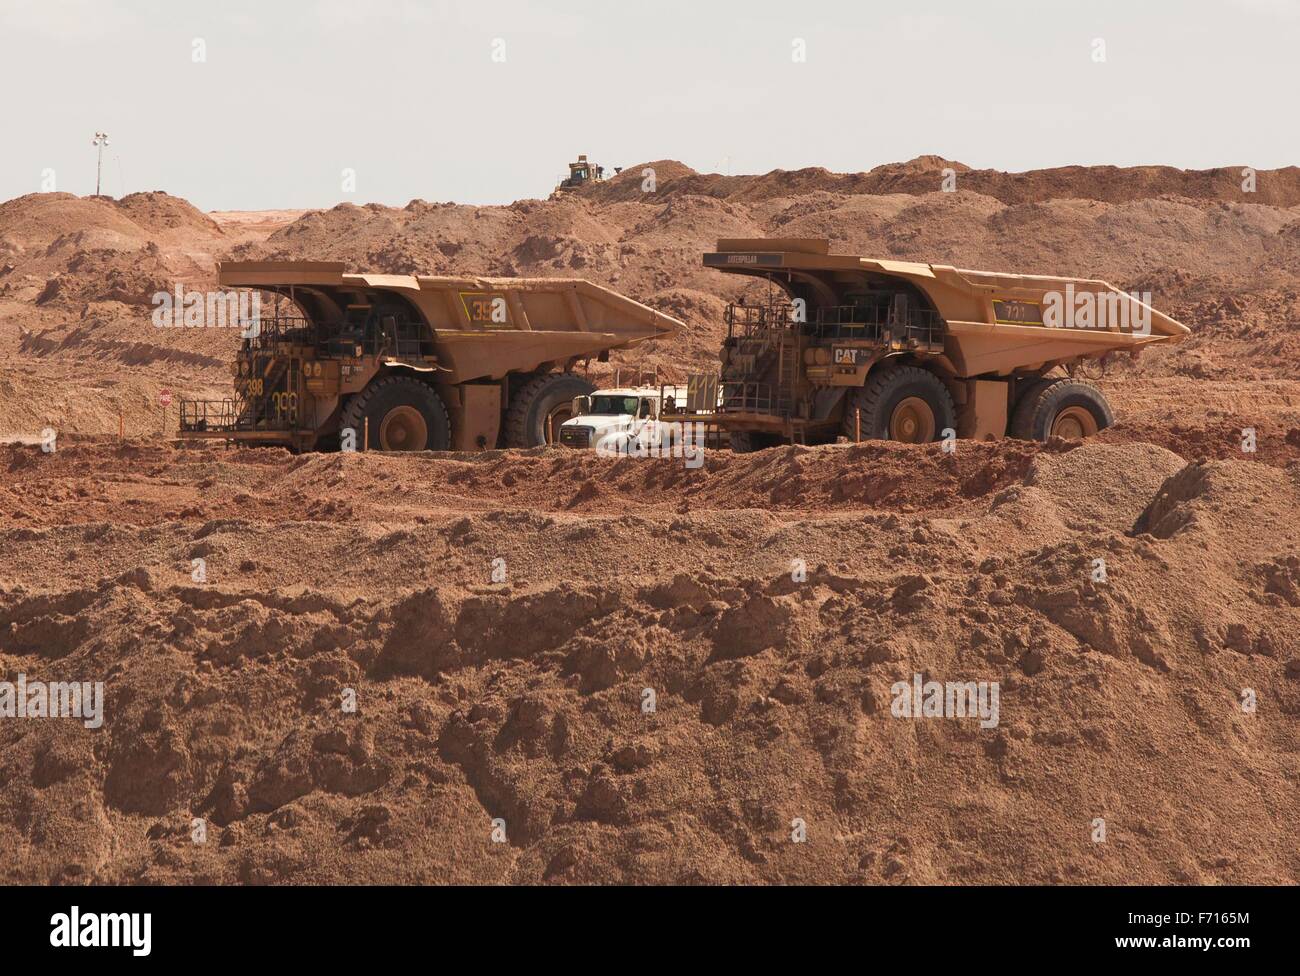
{"points": [[900, 403], [540, 406], [1067, 408], [398, 413]]}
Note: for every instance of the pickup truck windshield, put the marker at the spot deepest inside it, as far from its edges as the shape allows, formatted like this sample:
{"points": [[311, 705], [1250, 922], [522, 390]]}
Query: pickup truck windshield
{"points": [[613, 404]]}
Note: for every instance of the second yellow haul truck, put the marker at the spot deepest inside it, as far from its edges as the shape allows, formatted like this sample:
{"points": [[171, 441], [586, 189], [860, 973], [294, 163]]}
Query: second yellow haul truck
{"points": [[894, 350]]}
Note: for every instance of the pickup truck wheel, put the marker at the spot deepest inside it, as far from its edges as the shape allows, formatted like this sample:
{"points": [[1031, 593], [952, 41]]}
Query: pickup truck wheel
{"points": [[901, 403], [540, 406], [398, 413], [1067, 408]]}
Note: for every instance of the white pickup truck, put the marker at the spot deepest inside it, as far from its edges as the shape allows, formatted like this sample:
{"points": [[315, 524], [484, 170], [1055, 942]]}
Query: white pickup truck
{"points": [[620, 417]]}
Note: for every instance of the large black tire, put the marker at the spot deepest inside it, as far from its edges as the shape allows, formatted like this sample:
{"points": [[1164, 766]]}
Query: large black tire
{"points": [[748, 441], [901, 403], [398, 413], [1062, 407], [540, 405]]}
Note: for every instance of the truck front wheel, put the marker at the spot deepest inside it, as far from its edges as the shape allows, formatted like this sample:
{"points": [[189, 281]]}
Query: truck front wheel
{"points": [[748, 441], [900, 403], [398, 413], [540, 406]]}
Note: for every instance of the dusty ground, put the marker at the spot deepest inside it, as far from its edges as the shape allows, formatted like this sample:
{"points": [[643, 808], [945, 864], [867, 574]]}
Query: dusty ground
{"points": [[523, 699]]}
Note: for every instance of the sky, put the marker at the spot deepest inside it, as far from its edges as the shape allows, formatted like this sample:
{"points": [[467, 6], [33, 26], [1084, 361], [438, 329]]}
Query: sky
{"points": [[240, 105]]}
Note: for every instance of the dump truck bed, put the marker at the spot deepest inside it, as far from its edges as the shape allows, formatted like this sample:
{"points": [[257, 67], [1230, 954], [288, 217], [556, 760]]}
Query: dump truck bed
{"points": [[993, 322], [482, 327]]}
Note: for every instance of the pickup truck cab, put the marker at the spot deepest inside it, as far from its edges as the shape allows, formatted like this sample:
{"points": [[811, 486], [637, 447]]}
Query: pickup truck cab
{"points": [[617, 418]]}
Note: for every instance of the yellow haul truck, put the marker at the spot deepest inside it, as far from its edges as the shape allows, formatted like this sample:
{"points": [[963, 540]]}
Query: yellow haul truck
{"points": [[893, 350], [413, 363]]}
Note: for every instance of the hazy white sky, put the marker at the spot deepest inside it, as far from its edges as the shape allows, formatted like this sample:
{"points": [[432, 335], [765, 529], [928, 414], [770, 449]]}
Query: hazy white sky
{"points": [[407, 94]]}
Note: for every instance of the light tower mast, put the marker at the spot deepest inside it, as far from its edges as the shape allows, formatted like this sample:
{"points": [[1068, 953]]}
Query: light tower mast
{"points": [[100, 141]]}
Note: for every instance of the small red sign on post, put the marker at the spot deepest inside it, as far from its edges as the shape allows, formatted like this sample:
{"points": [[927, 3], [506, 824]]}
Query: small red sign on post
{"points": [[165, 397]]}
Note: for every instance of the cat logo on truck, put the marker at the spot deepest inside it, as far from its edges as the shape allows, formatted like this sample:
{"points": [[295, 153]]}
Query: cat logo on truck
{"points": [[845, 356]]}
